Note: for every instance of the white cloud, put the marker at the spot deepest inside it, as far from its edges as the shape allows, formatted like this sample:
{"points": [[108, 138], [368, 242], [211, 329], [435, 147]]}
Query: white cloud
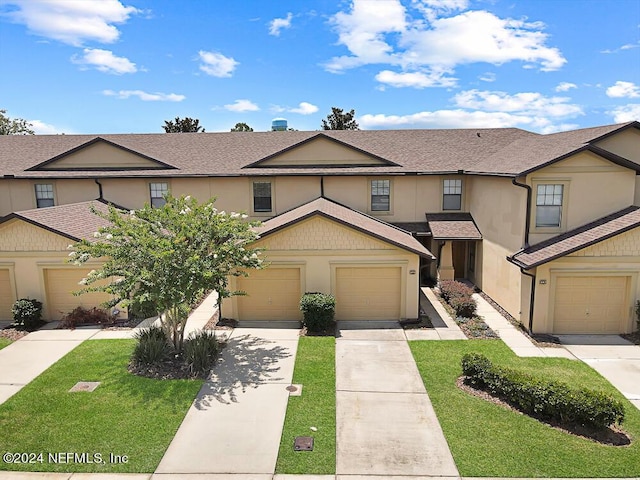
{"points": [[527, 103], [105, 61], [278, 24], [624, 90], [415, 79], [144, 96], [487, 109], [385, 32], [216, 64], [565, 86], [627, 46], [488, 77], [626, 113], [304, 108], [42, 128], [242, 105], [73, 21]]}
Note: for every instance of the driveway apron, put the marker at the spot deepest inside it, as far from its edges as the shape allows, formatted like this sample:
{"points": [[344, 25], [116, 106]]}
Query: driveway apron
{"points": [[235, 423], [386, 424]]}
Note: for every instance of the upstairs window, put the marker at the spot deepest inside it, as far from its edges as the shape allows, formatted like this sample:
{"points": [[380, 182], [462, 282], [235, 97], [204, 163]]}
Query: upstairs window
{"points": [[452, 195], [380, 195], [44, 195], [158, 192], [262, 197], [549, 205]]}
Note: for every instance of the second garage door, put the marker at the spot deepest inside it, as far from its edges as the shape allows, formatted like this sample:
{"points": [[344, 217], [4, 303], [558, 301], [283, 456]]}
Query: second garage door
{"points": [[6, 295], [368, 293], [586, 304], [272, 294], [60, 285]]}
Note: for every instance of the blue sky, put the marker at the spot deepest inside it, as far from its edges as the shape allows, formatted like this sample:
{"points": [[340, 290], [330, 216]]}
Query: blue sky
{"points": [[125, 66]]}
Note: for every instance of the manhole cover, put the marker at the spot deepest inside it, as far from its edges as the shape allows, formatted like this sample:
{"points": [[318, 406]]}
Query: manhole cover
{"points": [[303, 444], [294, 390], [84, 387]]}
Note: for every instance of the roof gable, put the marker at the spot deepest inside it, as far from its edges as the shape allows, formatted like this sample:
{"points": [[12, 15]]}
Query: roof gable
{"points": [[18, 235], [321, 151], [101, 154]]}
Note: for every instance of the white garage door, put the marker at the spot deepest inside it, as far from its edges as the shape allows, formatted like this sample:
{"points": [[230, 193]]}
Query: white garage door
{"points": [[368, 293], [6, 295], [272, 294], [60, 283], [590, 304]]}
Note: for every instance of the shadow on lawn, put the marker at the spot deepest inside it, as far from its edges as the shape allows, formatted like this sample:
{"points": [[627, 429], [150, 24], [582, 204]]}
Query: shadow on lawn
{"points": [[246, 362]]}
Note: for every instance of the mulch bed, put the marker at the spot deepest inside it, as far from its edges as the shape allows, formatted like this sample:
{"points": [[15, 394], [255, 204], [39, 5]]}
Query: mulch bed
{"points": [[329, 332], [632, 337], [422, 323], [171, 369], [612, 435], [475, 328], [13, 334]]}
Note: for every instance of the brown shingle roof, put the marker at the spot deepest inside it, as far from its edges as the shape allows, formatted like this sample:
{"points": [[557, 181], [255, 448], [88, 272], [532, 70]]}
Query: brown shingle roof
{"points": [[346, 216], [453, 226], [579, 238], [74, 221]]}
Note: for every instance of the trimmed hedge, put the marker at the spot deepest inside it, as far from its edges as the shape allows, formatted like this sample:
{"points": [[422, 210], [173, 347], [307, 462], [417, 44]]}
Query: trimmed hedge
{"points": [[542, 398], [458, 295], [318, 311]]}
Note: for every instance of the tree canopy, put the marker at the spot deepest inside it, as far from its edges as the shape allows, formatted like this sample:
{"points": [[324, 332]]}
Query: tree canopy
{"points": [[338, 119], [14, 126], [242, 127], [169, 256], [183, 125]]}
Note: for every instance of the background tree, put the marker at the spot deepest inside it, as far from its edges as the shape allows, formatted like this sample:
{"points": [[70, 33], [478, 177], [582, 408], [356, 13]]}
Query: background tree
{"points": [[169, 256], [14, 126], [242, 127], [183, 125], [338, 119]]}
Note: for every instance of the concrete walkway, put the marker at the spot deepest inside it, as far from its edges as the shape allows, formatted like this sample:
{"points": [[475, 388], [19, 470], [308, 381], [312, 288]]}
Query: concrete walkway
{"points": [[386, 425], [235, 423], [444, 327]]}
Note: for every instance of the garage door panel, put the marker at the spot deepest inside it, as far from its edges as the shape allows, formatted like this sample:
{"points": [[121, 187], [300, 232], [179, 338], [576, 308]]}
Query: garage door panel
{"points": [[368, 293], [272, 294], [60, 285], [6, 294], [590, 304]]}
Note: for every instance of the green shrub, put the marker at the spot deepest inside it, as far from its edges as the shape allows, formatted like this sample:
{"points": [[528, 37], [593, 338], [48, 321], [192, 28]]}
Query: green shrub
{"points": [[464, 306], [153, 346], [200, 351], [318, 311], [458, 296], [86, 316], [27, 313], [542, 398]]}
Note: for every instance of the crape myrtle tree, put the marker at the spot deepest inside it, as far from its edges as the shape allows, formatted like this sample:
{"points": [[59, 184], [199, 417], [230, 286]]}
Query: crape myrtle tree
{"points": [[14, 126], [169, 256]]}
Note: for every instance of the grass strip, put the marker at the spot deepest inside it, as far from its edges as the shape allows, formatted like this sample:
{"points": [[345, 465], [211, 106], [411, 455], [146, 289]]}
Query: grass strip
{"points": [[316, 407], [4, 342], [125, 415], [489, 441]]}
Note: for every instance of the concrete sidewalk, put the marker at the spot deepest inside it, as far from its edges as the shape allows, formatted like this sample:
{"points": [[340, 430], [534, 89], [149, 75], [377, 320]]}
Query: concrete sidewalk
{"points": [[235, 423], [386, 425]]}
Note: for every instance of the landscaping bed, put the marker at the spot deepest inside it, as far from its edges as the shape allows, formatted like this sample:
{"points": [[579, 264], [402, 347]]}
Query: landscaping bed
{"points": [[126, 415], [472, 325], [488, 440]]}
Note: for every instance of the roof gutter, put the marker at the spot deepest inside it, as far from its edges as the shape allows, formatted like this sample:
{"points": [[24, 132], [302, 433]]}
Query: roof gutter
{"points": [[527, 220]]}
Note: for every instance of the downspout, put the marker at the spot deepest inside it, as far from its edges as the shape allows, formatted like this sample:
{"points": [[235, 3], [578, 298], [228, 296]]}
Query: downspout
{"points": [[99, 189], [322, 186], [527, 228]]}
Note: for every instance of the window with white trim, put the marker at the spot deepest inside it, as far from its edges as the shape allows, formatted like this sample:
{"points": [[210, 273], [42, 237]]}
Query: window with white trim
{"points": [[380, 195], [549, 205], [452, 194], [262, 201], [158, 191], [44, 195]]}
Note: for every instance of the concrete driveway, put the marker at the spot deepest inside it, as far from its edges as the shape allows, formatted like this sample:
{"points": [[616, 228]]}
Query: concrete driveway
{"points": [[611, 356]]}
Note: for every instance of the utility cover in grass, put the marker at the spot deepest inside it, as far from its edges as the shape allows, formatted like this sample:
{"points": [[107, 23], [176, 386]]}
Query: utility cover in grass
{"points": [[84, 387]]}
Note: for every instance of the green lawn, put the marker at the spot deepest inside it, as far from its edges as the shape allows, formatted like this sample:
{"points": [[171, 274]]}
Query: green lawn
{"points": [[315, 370], [487, 440], [125, 415], [4, 342]]}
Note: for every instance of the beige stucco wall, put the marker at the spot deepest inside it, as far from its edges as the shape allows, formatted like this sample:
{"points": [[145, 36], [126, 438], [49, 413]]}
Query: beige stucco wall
{"points": [[626, 144], [594, 188], [619, 255], [318, 246], [636, 198]]}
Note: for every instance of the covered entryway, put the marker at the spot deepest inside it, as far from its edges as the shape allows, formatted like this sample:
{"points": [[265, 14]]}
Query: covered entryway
{"points": [[272, 294], [6, 294], [590, 304], [368, 293], [60, 283]]}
